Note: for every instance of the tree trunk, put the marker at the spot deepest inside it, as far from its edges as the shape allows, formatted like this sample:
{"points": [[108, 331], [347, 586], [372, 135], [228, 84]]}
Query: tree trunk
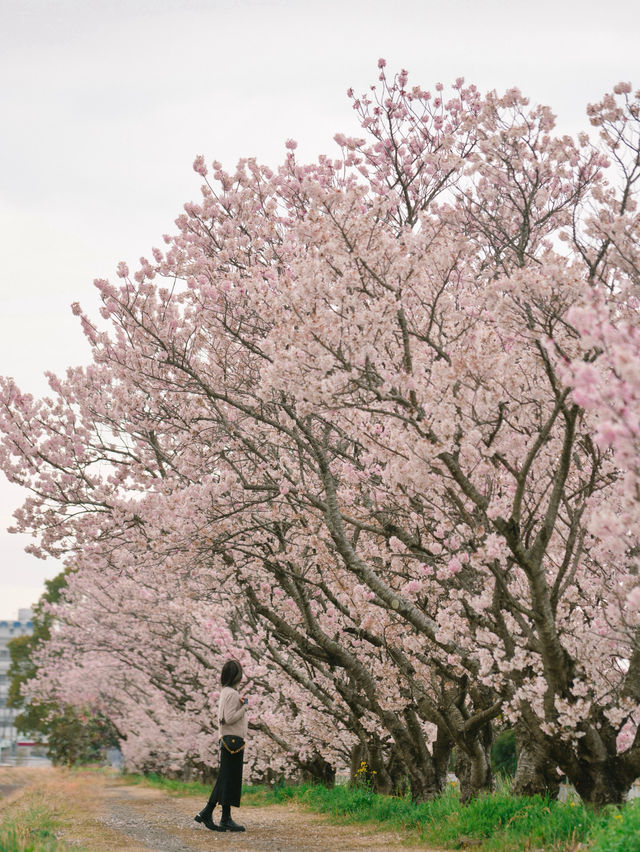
{"points": [[316, 769], [601, 783], [423, 778], [473, 765], [536, 772], [423, 784], [442, 749], [379, 766], [600, 776], [357, 756], [397, 775]]}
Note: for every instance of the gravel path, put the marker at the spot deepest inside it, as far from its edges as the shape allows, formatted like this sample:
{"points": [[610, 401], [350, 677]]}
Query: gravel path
{"points": [[144, 822], [166, 824], [101, 814]]}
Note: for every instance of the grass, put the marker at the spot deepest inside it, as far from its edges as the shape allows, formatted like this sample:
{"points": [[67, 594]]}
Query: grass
{"points": [[29, 829], [171, 786], [622, 831], [498, 822], [495, 822]]}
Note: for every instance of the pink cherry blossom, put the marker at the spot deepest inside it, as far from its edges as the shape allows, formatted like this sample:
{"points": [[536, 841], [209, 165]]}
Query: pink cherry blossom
{"points": [[370, 425]]}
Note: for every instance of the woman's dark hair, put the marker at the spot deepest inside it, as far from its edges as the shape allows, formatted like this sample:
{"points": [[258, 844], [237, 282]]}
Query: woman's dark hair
{"points": [[231, 673]]}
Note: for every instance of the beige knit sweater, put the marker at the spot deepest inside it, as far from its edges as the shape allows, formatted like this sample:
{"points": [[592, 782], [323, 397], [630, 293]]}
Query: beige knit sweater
{"points": [[232, 715]]}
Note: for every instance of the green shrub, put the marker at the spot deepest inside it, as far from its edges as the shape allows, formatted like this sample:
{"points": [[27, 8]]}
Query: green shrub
{"points": [[503, 754]]}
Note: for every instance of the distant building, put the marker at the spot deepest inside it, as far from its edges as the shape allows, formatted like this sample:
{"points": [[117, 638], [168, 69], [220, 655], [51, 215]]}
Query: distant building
{"points": [[8, 631]]}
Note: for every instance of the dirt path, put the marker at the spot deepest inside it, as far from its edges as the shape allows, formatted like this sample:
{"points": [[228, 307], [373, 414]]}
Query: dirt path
{"points": [[99, 813]]}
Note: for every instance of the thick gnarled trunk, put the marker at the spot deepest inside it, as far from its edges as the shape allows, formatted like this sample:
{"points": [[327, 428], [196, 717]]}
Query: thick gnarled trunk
{"points": [[600, 775], [388, 769], [423, 784], [441, 750], [536, 771], [602, 784], [472, 765], [380, 766], [316, 769]]}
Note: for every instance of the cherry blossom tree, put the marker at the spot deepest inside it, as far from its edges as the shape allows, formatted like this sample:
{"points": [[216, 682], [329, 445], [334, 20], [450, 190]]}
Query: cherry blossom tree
{"points": [[146, 648], [350, 421], [607, 382]]}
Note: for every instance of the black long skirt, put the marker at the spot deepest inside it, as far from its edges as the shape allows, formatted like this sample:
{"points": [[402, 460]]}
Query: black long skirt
{"points": [[228, 787]]}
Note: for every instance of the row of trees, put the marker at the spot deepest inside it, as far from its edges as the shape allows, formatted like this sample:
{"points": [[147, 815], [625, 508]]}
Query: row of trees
{"points": [[74, 733], [371, 426]]}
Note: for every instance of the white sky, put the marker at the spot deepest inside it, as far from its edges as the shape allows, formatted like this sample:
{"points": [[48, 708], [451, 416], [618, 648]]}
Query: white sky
{"points": [[105, 103]]}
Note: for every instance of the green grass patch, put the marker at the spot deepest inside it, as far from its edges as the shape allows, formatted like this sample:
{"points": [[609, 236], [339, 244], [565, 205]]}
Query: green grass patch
{"points": [[496, 822], [252, 794], [173, 787], [353, 805], [31, 830], [257, 795], [620, 830], [504, 823]]}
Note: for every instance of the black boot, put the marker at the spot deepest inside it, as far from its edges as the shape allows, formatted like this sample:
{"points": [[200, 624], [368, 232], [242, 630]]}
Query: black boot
{"points": [[207, 820], [226, 823]]}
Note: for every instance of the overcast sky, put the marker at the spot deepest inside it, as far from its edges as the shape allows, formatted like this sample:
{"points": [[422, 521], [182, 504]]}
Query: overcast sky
{"points": [[105, 103]]}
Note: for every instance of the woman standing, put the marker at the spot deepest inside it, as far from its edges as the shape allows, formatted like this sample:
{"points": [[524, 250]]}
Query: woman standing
{"points": [[232, 721]]}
